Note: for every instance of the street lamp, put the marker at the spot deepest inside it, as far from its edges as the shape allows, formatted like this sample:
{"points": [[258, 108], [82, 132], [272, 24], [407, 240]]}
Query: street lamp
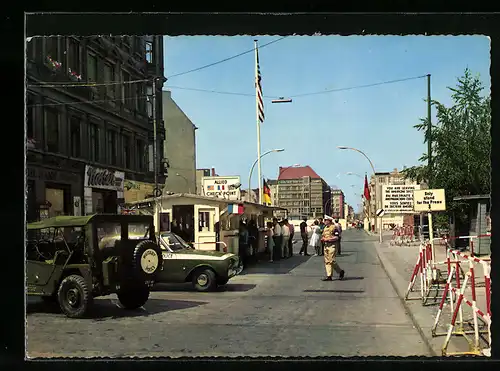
{"points": [[185, 179], [253, 166], [351, 173], [376, 184]]}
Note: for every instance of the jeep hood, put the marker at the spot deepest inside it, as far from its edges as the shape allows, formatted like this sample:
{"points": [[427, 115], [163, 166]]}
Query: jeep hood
{"points": [[202, 253]]}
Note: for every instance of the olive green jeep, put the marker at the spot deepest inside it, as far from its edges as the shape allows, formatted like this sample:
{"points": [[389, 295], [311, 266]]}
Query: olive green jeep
{"points": [[73, 259]]}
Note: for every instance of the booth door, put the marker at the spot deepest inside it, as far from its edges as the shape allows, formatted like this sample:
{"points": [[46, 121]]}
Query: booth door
{"points": [[205, 219]]}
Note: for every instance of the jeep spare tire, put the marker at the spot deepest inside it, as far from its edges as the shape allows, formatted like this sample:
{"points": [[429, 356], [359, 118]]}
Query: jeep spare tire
{"points": [[147, 259]]}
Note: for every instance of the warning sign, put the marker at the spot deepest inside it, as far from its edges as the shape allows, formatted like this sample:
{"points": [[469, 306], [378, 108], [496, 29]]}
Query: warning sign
{"points": [[398, 199], [430, 200]]}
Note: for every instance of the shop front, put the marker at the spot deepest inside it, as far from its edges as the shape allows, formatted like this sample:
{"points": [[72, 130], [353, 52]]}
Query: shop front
{"points": [[103, 190], [52, 192]]}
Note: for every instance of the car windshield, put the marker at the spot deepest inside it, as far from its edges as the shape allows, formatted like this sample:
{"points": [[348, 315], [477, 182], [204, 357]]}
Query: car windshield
{"points": [[174, 242]]}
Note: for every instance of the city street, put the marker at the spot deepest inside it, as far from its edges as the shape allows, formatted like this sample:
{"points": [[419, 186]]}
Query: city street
{"points": [[271, 309]]}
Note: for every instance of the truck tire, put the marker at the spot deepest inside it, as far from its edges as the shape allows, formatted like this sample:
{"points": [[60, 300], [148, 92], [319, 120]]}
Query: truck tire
{"points": [[147, 259], [74, 296], [204, 279], [133, 297]]}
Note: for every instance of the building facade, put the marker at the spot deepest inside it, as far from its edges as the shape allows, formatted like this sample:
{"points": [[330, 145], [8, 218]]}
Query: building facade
{"points": [[83, 142], [394, 177], [302, 192], [337, 202], [179, 147]]}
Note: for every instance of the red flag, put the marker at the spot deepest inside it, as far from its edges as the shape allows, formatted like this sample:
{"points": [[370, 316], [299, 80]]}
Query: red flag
{"points": [[367, 189]]}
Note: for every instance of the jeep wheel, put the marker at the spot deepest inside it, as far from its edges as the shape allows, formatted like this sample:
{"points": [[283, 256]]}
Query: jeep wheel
{"points": [[133, 297], [147, 259], [204, 280], [74, 296]]}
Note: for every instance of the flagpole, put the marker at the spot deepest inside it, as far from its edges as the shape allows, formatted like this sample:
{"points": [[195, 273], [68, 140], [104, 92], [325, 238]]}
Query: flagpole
{"points": [[259, 169]]}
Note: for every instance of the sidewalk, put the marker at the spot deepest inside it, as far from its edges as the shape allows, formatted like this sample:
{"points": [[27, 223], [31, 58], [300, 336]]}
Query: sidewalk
{"points": [[399, 262]]}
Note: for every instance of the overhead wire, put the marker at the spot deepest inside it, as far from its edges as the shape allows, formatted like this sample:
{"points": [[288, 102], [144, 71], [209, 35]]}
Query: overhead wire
{"points": [[226, 59], [85, 84], [247, 94]]}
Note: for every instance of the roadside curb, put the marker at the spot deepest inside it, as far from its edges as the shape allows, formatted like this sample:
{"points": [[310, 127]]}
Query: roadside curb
{"points": [[393, 276]]}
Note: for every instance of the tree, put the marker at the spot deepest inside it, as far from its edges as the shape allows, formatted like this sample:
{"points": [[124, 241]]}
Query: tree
{"points": [[461, 144]]}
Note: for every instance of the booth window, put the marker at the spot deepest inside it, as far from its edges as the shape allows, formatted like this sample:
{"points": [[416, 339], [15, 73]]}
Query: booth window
{"points": [[204, 221]]}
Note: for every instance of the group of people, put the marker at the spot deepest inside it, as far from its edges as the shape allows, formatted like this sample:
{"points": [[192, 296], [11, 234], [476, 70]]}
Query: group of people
{"points": [[326, 240], [280, 239]]}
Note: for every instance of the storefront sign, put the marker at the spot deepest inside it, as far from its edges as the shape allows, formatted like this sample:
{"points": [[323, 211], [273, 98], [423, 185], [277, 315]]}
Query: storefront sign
{"points": [[227, 187], [104, 178], [136, 191]]}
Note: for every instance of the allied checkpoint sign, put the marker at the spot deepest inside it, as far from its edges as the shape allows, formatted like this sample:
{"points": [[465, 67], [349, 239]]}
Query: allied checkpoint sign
{"points": [[398, 199], [429, 200], [221, 187]]}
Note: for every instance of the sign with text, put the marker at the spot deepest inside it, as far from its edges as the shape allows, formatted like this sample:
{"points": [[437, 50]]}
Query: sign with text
{"points": [[103, 178], [429, 200], [398, 198], [225, 187]]}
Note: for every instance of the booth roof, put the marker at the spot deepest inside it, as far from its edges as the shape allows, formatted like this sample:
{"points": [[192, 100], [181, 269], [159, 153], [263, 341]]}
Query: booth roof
{"points": [[206, 198]]}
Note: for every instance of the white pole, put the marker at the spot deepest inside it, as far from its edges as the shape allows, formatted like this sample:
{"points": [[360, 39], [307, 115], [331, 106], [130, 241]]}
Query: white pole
{"points": [[259, 169]]}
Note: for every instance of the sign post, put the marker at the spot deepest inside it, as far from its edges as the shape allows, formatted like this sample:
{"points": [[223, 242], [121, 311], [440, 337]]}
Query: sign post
{"points": [[430, 200], [380, 213]]}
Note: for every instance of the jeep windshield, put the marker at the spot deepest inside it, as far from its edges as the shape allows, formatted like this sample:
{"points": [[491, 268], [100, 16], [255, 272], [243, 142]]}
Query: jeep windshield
{"points": [[174, 242]]}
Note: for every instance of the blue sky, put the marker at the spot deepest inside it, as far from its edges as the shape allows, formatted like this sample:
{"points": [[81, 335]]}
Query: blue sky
{"points": [[378, 120]]}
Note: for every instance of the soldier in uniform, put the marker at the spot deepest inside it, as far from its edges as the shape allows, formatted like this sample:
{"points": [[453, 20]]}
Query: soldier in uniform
{"points": [[330, 239]]}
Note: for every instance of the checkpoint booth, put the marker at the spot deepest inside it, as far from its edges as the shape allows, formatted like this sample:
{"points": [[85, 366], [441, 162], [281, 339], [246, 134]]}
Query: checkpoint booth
{"points": [[207, 223]]}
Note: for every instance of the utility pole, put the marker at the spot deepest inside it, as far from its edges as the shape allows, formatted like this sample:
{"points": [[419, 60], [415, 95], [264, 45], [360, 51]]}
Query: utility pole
{"points": [[429, 131], [155, 139]]}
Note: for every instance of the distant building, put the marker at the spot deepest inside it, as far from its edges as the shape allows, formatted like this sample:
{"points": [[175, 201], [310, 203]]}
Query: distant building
{"points": [[302, 192], [179, 147], [337, 202]]}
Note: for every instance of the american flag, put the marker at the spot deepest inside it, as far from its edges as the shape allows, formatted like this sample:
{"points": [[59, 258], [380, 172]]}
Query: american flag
{"points": [[258, 87]]}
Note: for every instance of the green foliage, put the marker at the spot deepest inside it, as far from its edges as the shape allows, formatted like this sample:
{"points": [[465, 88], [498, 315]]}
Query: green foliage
{"points": [[461, 144]]}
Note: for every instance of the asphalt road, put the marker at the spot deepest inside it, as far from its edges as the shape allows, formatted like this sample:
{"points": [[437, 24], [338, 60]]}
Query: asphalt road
{"points": [[272, 309]]}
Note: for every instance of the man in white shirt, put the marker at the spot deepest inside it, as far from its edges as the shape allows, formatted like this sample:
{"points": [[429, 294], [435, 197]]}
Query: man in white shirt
{"points": [[277, 237], [285, 231]]}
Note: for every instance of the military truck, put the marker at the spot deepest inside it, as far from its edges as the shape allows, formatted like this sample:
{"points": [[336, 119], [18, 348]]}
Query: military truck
{"points": [[70, 260]]}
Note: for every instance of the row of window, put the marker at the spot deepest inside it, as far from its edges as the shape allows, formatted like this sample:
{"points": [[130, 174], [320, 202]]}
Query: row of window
{"points": [[118, 146], [94, 68]]}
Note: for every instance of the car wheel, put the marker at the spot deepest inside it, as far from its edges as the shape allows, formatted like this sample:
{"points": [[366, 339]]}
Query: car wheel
{"points": [[133, 297], [204, 280], [222, 281], [74, 296], [147, 259]]}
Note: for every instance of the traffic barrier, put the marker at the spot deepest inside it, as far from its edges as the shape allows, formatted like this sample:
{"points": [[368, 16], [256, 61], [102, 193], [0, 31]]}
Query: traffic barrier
{"points": [[431, 277], [403, 235], [456, 296]]}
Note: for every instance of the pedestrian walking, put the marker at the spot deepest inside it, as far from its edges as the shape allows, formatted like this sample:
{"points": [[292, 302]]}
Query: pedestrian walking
{"points": [[243, 243], [330, 240], [270, 241], [303, 235], [315, 237], [338, 226], [253, 238], [321, 227], [277, 239], [290, 239], [285, 232]]}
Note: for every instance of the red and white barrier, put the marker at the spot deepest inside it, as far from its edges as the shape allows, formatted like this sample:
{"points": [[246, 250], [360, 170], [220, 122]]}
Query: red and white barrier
{"points": [[403, 235], [456, 297]]}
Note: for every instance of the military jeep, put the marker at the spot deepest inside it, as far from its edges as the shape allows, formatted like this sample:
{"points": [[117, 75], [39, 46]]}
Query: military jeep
{"points": [[70, 260]]}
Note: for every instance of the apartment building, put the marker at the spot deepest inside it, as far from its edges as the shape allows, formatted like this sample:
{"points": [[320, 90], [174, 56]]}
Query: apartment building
{"points": [[337, 202], [84, 142], [302, 192]]}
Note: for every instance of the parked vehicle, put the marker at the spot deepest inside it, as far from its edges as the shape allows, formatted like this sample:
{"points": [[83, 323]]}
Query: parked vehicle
{"points": [[205, 269], [73, 259]]}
